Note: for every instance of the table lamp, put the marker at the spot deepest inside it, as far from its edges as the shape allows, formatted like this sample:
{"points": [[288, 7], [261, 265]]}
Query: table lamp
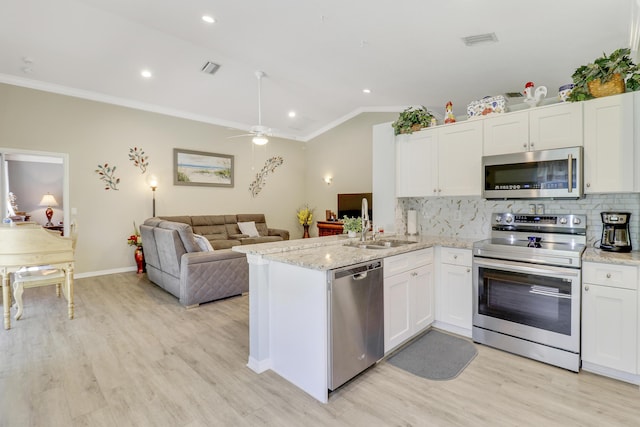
{"points": [[48, 200]]}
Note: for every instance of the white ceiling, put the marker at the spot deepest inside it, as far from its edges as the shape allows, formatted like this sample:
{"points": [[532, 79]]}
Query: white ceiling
{"points": [[318, 54]]}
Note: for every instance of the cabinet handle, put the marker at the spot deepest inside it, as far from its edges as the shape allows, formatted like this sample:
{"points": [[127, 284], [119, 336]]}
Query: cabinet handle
{"points": [[468, 270], [586, 288], [414, 274], [439, 190], [588, 185], [570, 173], [455, 257], [524, 145], [608, 275], [531, 144], [435, 191]]}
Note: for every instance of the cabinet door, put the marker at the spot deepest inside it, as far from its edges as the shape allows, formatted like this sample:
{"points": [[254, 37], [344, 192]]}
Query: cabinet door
{"points": [[416, 165], [454, 296], [397, 309], [460, 153], [422, 294], [609, 327], [556, 126], [608, 144], [506, 133]]}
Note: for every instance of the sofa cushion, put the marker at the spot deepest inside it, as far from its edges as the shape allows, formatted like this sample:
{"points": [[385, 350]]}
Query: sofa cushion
{"points": [[203, 243], [258, 219], [260, 239], [185, 233], [210, 226], [181, 218], [248, 228]]}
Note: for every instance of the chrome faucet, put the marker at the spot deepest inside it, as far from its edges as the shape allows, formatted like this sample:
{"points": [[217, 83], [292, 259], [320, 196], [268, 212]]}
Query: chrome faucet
{"points": [[365, 218]]}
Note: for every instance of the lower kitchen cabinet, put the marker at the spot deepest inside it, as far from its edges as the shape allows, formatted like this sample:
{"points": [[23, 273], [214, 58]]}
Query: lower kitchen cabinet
{"points": [[610, 320], [408, 296], [454, 294]]}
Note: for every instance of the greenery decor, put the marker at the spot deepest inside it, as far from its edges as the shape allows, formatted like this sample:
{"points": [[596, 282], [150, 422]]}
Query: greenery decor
{"points": [[351, 224], [412, 119], [605, 69]]}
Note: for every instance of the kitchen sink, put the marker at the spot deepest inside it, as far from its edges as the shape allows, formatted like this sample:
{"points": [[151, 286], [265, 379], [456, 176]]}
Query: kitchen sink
{"points": [[379, 244]]}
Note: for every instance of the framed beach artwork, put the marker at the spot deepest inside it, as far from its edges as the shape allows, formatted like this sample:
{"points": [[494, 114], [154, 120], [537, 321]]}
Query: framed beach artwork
{"points": [[201, 168]]}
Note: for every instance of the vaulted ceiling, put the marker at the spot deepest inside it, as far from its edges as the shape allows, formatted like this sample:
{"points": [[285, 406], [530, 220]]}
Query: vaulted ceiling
{"points": [[318, 55]]}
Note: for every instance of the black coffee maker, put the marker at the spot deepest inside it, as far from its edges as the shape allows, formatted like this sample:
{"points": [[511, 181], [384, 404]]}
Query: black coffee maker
{"points": [[615, 232]]}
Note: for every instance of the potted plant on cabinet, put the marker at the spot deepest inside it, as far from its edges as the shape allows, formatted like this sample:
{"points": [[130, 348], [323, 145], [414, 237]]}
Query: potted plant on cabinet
{"points": [[351, 225], [607, 75], [412, 119]]}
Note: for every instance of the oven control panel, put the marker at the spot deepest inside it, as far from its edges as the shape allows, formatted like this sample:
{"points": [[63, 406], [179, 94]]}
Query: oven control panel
{"points": [[515, 221]]}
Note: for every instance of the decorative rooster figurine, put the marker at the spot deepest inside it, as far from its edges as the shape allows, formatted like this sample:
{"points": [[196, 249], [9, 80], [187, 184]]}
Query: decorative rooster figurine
{"points": [[534, 98]]}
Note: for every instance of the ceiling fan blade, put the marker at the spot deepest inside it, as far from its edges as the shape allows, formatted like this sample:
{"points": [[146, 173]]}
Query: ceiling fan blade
{"points": [[240, 136]]}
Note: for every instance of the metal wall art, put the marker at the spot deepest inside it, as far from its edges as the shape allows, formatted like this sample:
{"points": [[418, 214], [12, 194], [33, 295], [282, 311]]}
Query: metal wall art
{"points": [[261, 177], [139, 159], [107, 175]]}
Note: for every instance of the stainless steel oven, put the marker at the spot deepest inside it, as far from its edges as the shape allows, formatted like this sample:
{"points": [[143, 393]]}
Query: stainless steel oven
{"points": [[527, 278]]}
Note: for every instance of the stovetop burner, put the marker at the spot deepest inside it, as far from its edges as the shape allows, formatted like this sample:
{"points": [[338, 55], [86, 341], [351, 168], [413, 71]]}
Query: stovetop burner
{"points": [[548, 239]]}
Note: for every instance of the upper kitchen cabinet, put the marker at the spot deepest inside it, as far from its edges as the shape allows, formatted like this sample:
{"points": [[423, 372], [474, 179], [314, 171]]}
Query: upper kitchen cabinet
{"points": [[460, 153], [609, 144], [456, 147], [416, 165], [542, 128]]}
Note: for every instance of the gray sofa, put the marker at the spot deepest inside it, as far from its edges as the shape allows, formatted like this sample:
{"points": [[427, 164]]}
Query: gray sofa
{"points": [[223, 232], [176, 263]]}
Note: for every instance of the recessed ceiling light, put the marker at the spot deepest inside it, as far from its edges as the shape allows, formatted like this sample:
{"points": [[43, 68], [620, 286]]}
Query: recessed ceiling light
{"points": [[366, 90], [146, 74], [208, 19], [292, 114]]}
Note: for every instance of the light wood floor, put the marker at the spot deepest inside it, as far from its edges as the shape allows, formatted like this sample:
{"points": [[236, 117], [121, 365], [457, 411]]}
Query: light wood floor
{"points": [[134, 357]]}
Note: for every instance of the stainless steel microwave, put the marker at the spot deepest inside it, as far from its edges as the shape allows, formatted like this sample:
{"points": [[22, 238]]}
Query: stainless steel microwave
{"points": [[548, 174]]}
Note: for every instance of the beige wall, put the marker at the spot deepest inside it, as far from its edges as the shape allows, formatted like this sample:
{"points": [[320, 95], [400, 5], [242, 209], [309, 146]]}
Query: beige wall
{"points": [[344, 153], [94, 133]]}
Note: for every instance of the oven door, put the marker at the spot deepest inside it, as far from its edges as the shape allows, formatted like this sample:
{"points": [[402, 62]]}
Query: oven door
{"points": [[528, 301]]}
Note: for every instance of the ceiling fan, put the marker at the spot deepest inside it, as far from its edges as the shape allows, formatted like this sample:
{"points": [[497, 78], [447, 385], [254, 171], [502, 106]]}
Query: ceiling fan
{"points": [[259, 132]]}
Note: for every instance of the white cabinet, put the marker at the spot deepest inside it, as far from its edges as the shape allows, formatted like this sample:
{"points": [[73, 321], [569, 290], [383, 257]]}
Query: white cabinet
{"points": [[460, 158], [506, 133], [441, 161], [416, 170], [408, 296], [542, 128], [454, 291], [609, 320], [609, 144]]}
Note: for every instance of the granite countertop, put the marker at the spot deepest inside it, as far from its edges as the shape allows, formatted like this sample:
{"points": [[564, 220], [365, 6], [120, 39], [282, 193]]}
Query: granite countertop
{"points": [[597, 255], [329, 252]]}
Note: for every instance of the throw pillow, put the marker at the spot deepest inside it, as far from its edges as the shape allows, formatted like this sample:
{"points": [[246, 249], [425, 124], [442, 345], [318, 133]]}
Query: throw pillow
{"points": [[248, 228], [203, 243]]}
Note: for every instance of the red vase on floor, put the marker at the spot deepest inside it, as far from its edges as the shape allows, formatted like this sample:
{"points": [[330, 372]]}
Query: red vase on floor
{"points": [[306, 232], [139, 257]]}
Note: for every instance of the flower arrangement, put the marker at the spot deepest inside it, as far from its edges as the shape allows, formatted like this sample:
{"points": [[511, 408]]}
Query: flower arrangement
{"points": [[351, 224], [135, 239], [305, 215]]}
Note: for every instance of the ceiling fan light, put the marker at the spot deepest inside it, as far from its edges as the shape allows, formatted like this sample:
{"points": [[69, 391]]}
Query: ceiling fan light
{"points": [[260, 140]]}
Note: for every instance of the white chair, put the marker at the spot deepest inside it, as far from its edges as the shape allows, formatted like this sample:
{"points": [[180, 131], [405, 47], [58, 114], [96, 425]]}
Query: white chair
{"points": [[42, 275]]}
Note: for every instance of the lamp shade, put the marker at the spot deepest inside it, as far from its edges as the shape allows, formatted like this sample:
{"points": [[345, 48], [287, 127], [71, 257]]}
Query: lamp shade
{"points": [[48, 200]]}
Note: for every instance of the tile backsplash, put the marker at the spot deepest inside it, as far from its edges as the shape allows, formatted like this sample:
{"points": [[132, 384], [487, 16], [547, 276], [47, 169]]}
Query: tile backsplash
{"points": [[470, 217]]}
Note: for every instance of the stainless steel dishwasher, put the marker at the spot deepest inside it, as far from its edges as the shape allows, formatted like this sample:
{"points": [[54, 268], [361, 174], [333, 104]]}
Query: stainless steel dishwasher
{"points": [[356, 320]]}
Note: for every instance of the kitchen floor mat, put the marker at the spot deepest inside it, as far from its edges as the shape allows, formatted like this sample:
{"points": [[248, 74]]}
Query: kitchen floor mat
{"points": [[435, 356]]}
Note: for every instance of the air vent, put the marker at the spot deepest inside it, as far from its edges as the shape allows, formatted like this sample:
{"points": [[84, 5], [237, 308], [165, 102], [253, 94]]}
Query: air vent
{"points": [[210, 67], [480, 38]]}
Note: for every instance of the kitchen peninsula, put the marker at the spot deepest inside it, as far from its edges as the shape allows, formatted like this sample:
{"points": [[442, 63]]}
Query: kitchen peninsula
{"points": [[288, 303]]}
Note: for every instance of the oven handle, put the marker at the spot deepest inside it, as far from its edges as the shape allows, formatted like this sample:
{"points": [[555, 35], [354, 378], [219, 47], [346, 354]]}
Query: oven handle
{"points": [[550, 294], [518, 267]]}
